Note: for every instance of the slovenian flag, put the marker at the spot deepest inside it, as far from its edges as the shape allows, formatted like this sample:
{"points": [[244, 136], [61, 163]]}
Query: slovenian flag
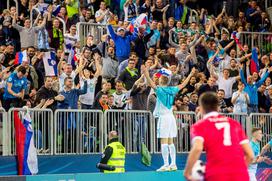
{"points": [[140, 21], [50, 64], [27, 161], [164, 72], [254, 64], [20, 57]]}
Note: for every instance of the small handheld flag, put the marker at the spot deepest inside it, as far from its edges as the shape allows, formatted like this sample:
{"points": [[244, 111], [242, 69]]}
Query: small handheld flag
{"points": [[50, 64]]}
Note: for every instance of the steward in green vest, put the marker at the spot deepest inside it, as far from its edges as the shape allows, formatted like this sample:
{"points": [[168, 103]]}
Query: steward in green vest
{"points": [[114, 154]]}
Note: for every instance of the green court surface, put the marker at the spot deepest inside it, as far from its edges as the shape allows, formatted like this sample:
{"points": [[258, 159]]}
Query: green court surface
{"points": [[129, 176]]}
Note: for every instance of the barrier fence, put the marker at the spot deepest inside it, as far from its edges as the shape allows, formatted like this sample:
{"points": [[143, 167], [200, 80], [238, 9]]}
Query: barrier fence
{"points": [[42, 125], [78, 131], [263, 121], [86, 131], [94, 29], [262, 40], [133, 127]]}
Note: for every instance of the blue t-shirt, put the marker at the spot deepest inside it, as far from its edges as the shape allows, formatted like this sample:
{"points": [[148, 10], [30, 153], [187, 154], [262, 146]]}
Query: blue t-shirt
{"points": [[256, 150], [17, 85], [166, 95]]}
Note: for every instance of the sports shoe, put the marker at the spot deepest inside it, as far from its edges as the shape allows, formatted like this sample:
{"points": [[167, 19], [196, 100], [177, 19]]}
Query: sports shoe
{"points": [[164, 168], [173, 167]]}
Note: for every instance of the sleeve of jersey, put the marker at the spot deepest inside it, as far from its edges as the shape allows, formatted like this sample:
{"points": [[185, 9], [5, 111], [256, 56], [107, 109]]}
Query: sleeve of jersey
{"points": [[242, 136], [197, 133], [270, 143]]}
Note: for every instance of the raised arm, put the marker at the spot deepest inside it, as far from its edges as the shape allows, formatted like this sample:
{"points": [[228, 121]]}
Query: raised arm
{"points": [[186, 81], [112, 33], [147, 76], [243, 77], [260, 82]]}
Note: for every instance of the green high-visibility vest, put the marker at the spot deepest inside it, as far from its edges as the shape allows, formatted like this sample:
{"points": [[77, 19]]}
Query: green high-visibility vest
{"points": [[117, 158]]}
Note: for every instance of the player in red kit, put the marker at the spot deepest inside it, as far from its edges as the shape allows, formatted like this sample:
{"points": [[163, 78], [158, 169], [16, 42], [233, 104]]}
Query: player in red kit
{"points": [[226, 145]]}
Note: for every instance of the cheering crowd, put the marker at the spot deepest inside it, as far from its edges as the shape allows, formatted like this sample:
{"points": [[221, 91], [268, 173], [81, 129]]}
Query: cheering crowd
{"points": [[42, 65]]}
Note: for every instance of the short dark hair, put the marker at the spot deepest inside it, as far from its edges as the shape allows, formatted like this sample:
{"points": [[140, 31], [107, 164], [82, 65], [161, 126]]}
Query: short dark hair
{"points": [[221, 90], [21, 69], [67, 78], [209, 102], [255, 130], [119, 82]]}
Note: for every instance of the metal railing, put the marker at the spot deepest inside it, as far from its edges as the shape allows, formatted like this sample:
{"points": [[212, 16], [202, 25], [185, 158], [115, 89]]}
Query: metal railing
{"points": [[86, 131], [268, 4], [133, 127], [243, 119], [16, 4], [263, 121], [42, 124], [184, 121], [3, 132], [262, 40], [78, 131], [95, 29]]}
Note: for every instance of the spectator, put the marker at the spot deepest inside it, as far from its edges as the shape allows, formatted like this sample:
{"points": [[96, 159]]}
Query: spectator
{"points": [[122, 43], [251, 89], [263, 100], [121, 97], [68, 72], [130, 10], [210, 86], [15, 89], [47, 93], [141, 43], [182, 12], [27, 32], [41, 37], [240, 100], [154, 40], [87, 99], [71, 95], [146, 8], [102, 103], [226, 83], [193, 104], [222, 104], [56, 38], [129, 75], [110, 66], [71, 42], [103, 14]]}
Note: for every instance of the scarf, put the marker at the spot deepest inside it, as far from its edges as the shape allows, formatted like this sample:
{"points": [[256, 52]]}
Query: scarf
{"points": [[133, 72], [104, 106], [184, 14], [58, 34]]}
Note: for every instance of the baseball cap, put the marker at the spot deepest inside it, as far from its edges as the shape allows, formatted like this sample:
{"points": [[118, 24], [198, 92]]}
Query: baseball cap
{"points": [[120, 29]]}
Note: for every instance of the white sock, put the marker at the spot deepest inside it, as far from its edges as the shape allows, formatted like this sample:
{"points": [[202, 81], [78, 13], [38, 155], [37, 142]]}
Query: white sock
{"points": [[165, 154], [172, 154]]}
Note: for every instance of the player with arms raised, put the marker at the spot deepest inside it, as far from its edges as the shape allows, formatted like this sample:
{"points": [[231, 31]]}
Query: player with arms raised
{"points": [[226, 145]]}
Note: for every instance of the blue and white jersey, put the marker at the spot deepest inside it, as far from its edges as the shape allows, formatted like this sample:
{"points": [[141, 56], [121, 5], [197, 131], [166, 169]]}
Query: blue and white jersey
{"points": [[18, 84], [256, 150], [165, 100]]}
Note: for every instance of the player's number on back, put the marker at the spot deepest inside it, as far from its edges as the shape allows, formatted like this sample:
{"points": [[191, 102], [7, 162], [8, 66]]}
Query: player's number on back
{"points": [[226, 136]]}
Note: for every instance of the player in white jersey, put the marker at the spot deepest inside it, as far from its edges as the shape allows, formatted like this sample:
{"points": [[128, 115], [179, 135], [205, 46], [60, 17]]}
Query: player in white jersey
{"points": [[166, 127]]}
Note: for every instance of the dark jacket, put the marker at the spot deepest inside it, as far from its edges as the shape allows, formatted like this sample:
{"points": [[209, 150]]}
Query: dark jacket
{"points": [[141, 45], [44, 93]]}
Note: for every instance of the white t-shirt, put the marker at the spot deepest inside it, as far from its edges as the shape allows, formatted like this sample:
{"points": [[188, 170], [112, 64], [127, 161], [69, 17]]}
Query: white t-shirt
{"points": [[70, 41], [226, 85], [61, 80], [100, 13], [88, 98], [120, 99]]}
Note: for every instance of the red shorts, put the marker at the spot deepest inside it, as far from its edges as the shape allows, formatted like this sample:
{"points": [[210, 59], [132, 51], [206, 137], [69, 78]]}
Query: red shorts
{"points": [[228, 177]]}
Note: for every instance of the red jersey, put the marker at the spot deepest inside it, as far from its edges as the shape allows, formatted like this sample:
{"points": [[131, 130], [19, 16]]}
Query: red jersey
{"points": [[222, 138]]}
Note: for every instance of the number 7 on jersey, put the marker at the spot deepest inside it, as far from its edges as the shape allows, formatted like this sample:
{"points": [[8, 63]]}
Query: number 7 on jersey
{"points": [[226, 134]]}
